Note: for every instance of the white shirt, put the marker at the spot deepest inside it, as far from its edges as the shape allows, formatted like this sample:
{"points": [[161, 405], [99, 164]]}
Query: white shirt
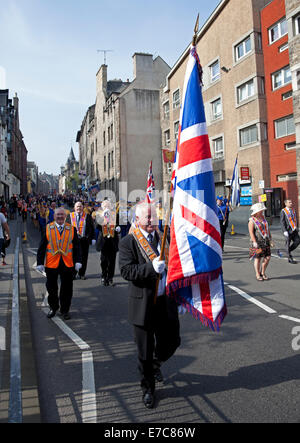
{"points": [[2, 220], [163, 279], [59, 226]]}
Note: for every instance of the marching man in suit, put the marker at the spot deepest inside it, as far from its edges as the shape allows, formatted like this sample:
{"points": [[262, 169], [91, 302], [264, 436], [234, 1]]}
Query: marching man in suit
{"points": [[107, 242], [154, 319], [58, 254], [84, 225], [288, 221]]}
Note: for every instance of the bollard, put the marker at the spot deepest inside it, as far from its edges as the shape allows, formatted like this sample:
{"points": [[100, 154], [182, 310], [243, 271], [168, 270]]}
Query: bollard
{"points": [[232, 230]]}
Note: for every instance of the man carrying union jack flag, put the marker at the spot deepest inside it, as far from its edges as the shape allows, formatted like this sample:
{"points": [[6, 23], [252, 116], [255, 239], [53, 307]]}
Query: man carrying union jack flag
{"points": [[195, 257]]}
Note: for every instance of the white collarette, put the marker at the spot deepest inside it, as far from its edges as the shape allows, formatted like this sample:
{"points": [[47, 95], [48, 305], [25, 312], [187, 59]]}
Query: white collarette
{"points": [[59, 226]]}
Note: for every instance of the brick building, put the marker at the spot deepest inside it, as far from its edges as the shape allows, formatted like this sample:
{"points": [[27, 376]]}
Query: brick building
{"points": [[279, 99]]}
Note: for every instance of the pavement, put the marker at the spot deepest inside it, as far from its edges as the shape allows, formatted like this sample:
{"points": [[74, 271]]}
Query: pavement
{"points": [[29, 391]]}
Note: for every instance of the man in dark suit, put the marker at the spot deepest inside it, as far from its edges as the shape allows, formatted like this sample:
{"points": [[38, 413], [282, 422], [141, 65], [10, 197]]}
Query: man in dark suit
{"points": [[58, 254], [84, 225], [107, 241], [288, 221], [154, 319]]}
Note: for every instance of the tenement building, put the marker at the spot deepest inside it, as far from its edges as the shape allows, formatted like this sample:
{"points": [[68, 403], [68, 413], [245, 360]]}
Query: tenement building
{"points": [[125, 131], [13, 145], [229, 46]]}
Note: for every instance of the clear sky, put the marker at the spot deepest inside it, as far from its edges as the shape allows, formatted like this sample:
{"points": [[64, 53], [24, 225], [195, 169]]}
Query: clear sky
{"points": [[48, 51]]}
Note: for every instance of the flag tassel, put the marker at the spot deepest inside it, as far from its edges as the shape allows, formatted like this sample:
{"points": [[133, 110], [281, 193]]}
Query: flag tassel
{"points": [[193, 280], [214, 325]]}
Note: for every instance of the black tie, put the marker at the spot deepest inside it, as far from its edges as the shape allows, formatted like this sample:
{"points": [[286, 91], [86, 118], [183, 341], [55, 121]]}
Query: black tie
{"points": [[153, 242], [60, 229]]}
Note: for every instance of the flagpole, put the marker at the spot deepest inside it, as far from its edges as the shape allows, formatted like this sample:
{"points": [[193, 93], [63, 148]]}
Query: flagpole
{"points": [[163, 243], [230, 191]]}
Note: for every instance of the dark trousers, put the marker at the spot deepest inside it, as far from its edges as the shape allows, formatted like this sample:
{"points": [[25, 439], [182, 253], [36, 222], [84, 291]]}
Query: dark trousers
{"points": [[108, 263], [84, 245], [223, 228], [292, 242], [156, 343], [66, 287]]}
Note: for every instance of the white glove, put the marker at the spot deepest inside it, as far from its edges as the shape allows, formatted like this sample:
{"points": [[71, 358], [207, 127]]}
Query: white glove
{"points": [[40, 268], [255, 245], [181, 310], [93, 242], [158, 265], [286, 234], [78, 266], [118, 229]]}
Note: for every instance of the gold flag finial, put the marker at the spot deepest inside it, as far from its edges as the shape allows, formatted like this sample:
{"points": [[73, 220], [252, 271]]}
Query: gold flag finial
{"points": [[196, 30]]}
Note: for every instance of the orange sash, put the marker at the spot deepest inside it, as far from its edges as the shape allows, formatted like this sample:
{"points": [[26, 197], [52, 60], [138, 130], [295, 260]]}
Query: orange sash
{"points": [[108, 231], [146, 248], [291, 216], [82, 223]]}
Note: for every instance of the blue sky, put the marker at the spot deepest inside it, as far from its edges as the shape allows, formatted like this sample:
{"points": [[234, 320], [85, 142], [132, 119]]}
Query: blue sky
{"points": [[48, 49]]}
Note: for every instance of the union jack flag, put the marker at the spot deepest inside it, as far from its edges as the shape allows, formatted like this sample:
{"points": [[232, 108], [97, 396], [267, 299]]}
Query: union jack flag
{"points": [[150, 193], [195, 277]]}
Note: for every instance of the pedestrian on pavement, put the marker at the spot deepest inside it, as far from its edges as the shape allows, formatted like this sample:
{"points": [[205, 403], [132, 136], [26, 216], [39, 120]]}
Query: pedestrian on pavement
{"points": [[4, 236], [24, 211], [84, 225], [223, 216], [289, 226], [260, 240], [58, 254], [107, 241], [155, 320]]}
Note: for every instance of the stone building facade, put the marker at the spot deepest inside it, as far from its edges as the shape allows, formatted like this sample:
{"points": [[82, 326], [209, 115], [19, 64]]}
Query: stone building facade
{"points": [[125, 134], [15, 146]]}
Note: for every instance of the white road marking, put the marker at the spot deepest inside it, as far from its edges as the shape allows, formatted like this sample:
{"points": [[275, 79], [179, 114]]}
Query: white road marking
{"points": [[32, 250], [2, 339], [286, 317], [251, 299], [89, 404]]}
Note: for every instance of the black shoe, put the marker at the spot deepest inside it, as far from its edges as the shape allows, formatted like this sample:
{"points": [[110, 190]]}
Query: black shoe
{"points": [[158, 375], [148, 399], [106, 283], [83, 277], [111, 283], [291, 260], [66, 316], [51, 313]]}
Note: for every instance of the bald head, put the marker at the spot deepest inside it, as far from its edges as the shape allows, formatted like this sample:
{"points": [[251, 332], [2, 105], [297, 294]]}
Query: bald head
{"points": [[60, 216], [146, 216]]}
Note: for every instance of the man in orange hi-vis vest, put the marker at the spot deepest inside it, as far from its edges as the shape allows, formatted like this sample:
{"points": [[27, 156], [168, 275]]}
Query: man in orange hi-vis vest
{"points": [[58, 254]]}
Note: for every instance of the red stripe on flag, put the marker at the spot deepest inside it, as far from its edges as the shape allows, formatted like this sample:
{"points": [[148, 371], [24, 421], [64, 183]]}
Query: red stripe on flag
{"points": [[194, 150], [206, 300], [201, 223], [174, 265]]}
